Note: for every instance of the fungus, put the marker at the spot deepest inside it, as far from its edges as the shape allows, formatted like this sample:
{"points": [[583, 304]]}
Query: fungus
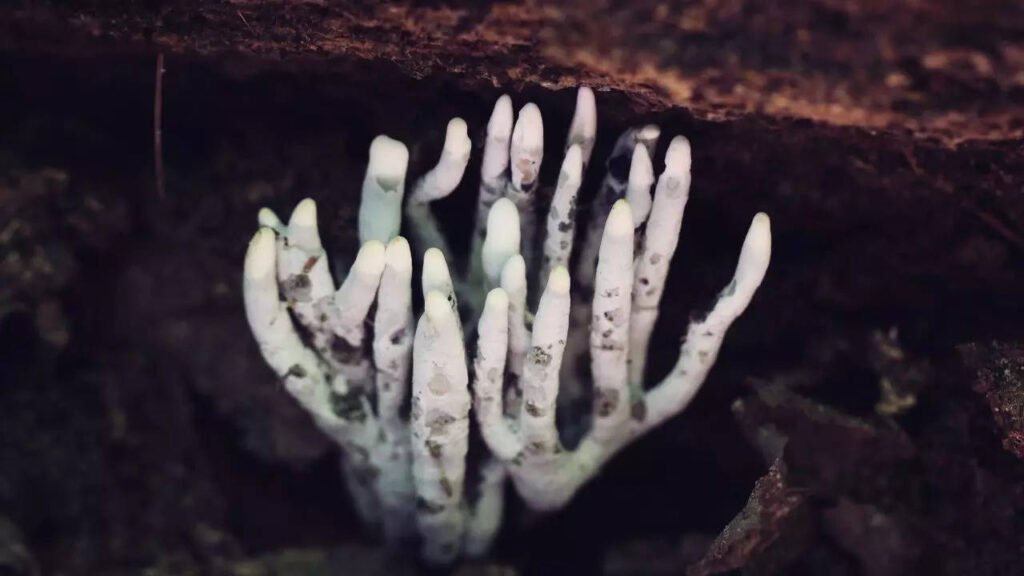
{"points": [[407, 477]]}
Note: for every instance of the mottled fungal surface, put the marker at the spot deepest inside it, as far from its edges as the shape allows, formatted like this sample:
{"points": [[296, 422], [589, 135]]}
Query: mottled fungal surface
{"points": [[396, 470]]}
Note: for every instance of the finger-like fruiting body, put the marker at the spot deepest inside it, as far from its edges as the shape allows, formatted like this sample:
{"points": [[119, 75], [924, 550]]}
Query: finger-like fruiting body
{"points": [[609, 328], [445, 177], [304, 374], [513, 281], [380, 207], [393, 332], [638, 188], [347, 313], [268, 219], [613, 188], [489, 371], [540, 373], [276, 336], [547, 476], [440, 429], [438, 183], [437, 277], [502, 239], [392, 358], [302, 271], [561, 227], [525, 156], [407, 478], [583, 128], [658, 247], [704, 336], [494, 167], [493, 179]]}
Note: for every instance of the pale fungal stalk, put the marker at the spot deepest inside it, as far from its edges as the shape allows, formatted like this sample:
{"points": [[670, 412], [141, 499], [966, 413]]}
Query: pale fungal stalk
{"points": [[408, 475]]}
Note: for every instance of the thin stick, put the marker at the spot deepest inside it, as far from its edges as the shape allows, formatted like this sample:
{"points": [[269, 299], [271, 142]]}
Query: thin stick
{"points": [[158, 112]]}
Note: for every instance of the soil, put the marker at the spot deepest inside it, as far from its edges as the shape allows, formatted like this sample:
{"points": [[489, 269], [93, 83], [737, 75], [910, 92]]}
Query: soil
{"points": [[865, 416]]}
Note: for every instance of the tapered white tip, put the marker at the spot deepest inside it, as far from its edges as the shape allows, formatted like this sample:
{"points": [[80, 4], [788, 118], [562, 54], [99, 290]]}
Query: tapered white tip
{"points": [[513, 275], [500, 124], [497, 300], [437, 308], [267, 218], [648, 134], [389, 158], [456, 139], [558, 280], [641, 171], [304, 214], [584, 119], [398, 256], [638, 192], [572, 166], [503, 222], [529, 130], [677, 158], [620, 220], [756, 252], [261, 256], [371, 259], [435, 270]]}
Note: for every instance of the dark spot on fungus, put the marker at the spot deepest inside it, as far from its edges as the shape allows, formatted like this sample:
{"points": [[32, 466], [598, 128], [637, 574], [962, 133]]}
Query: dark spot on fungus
{"points": [[638, 410], [533, 410], [606, 400], [344, 352], [446, 486], [434, 447], [426, 506], [297, 288], [297, 371], [538, 356], [348, 405], [438, 421]]}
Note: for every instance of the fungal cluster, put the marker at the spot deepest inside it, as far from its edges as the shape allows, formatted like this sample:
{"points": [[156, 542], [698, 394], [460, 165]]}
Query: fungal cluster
{"points": [[348, 354]]}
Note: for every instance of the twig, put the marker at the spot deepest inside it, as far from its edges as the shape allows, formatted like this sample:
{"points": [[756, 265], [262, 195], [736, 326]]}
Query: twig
{"points": [[158, 105]]}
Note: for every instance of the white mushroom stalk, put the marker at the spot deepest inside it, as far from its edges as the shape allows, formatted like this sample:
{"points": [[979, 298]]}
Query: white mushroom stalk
{"points": [[547, 475], [493, 180], [440, 428], [380, 208], [561, 222], [525, 156], [437, 184], [583, 129], [629, 175], [658, 246], [587, 340]]}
